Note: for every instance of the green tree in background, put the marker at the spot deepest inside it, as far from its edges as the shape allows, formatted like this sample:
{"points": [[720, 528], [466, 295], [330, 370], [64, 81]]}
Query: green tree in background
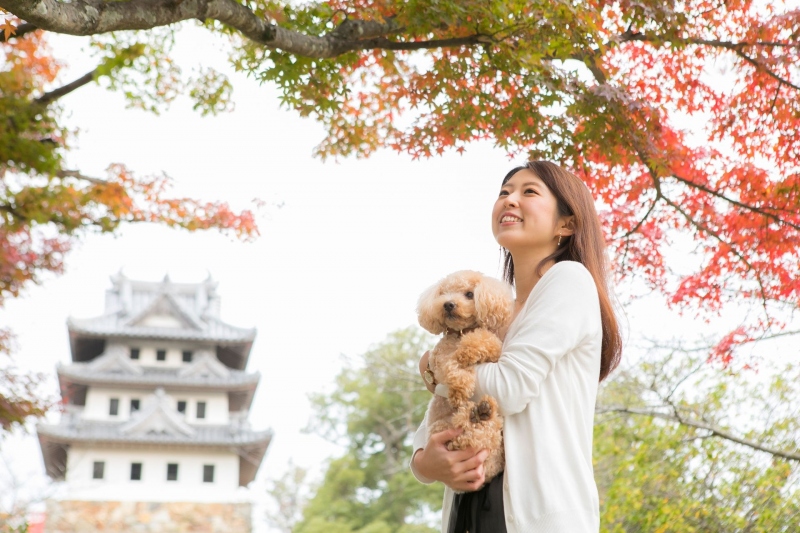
{"points": [[376, 407], [290, 493], [683, 447], [680, 446]]}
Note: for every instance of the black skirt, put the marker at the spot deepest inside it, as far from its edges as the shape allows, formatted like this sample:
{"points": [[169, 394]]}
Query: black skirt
{"points": [[480, 511]]}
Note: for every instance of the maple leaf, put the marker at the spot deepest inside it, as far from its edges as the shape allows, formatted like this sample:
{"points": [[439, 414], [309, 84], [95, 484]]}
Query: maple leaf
{"points": [[9, 29]]}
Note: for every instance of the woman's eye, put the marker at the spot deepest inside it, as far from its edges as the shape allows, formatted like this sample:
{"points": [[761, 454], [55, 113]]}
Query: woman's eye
{"points": [[469, 295], [503, 193], [530, 191]]}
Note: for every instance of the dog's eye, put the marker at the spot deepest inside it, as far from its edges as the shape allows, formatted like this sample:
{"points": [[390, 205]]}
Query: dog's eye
{"points": [[469, 295]]}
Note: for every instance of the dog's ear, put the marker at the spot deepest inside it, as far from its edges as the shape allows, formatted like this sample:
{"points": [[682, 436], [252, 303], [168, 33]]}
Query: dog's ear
{"points": [[427, 312], [494, 303]]}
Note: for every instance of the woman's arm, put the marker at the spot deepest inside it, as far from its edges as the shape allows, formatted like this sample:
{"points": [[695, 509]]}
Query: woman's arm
{"points": [[564, 309]]}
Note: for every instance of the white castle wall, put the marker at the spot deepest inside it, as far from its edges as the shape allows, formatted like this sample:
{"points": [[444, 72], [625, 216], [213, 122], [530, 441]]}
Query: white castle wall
{"points": [[174, 355], [98, 401], [153, 487]]}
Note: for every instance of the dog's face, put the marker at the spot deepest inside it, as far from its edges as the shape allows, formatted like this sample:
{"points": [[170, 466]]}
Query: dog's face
{"points": [[465, 300]]}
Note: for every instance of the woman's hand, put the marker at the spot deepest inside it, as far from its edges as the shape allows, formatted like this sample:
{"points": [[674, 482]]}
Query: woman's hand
{"points": [[460, 470], [423, 366]]}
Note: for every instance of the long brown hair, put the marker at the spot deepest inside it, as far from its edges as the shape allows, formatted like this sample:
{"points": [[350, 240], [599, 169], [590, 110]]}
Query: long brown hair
{"points": [[586, 246]]}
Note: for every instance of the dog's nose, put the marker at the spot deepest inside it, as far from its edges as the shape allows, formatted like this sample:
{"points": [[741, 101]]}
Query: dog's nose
{"points": [[449, 306]]}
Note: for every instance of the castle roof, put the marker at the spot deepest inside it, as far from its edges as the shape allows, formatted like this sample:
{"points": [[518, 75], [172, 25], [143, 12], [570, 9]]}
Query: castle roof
{"points": [[161, 311], [114, 368]]}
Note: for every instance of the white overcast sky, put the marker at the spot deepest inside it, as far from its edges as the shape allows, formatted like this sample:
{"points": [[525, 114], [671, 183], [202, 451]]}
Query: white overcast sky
{"points": [[336, 268]]}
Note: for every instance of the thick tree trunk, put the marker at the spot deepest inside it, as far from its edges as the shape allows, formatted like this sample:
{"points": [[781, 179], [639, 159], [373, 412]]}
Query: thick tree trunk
{"points": [[91, 17]]}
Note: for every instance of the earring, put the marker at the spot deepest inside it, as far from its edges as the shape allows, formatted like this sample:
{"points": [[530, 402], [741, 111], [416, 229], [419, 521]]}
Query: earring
{"points": [[559, 240]]}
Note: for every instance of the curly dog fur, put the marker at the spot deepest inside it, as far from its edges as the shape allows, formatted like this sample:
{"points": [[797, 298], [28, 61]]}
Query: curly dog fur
{"points": [[470, 309]]}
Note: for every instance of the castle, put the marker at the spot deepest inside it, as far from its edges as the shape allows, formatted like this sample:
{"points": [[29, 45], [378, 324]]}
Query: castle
{"points": [[154, 434]]}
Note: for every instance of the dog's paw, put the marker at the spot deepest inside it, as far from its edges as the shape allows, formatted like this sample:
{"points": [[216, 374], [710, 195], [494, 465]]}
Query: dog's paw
{"points": [[473, 415], [484, 409], [481, 412]]}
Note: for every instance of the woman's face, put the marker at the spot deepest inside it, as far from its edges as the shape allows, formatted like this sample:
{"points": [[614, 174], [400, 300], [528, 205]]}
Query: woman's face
{"points": [[525, 215]]}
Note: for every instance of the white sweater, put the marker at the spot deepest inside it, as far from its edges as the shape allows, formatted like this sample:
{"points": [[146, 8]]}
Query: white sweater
{"points": [[546, 385]]}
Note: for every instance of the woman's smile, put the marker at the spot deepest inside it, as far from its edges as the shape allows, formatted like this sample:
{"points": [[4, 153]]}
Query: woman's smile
{"points": [[509, 218]]}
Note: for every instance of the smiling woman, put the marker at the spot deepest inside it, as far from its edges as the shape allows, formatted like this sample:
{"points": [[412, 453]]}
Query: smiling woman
{"points": [[564, 339], [580, 233], [526, 216]]}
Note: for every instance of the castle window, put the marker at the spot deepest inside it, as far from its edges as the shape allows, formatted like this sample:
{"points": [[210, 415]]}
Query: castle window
{"points": [[136, 471], [172, 472], [208, 473], [113, 407], [187, 356], [161, 355], [98, 469], [134, 353], [134, 405], [201, 409], [182, 406]]}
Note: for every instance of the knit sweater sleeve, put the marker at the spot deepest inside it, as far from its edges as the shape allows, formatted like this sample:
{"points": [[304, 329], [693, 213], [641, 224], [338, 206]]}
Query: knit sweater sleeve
{"points": [[560, 312], [420, 440]]}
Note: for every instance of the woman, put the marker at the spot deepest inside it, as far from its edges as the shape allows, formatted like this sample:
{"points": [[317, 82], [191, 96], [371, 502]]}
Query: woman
{"points": [[564, 339]]}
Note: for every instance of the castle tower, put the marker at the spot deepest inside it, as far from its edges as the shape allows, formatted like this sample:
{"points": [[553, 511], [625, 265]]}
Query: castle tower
{"points": [[154, 434]]}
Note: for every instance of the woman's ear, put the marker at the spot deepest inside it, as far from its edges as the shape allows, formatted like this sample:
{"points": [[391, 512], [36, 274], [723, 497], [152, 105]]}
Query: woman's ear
{"points": [[566, 226]]}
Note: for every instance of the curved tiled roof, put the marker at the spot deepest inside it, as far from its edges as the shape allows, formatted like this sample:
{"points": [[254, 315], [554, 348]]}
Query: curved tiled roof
{"points": [[114, 325], [55, 439], [109, 432], [151, 377], [137, 310]]}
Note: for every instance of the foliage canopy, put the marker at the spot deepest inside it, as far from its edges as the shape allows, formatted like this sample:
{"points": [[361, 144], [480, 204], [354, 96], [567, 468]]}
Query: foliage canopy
{"points": [[680, 117]]}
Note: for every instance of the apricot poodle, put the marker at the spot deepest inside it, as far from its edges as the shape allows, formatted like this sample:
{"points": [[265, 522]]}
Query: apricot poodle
{"points": [[470, 310]]}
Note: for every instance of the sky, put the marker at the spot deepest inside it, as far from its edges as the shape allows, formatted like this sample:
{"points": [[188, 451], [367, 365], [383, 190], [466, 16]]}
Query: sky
{"points": [[346, 247]]}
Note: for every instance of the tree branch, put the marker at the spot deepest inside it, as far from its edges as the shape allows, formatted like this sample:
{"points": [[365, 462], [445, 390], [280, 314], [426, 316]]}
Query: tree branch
{"points": [[641, 221], [715, 431], [736, 48], [91, 17], [8, 208], [767, 71], [77, 175], [55, 94], [629, 35], [748, 207], [385, 44], [704, 228]]}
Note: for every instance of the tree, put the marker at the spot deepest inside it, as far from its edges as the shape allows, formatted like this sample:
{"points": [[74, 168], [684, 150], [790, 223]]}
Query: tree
{"points": [[376, 407], [45, 208], [18, 493], [679, 445], [290, 494], [602, 86]]}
